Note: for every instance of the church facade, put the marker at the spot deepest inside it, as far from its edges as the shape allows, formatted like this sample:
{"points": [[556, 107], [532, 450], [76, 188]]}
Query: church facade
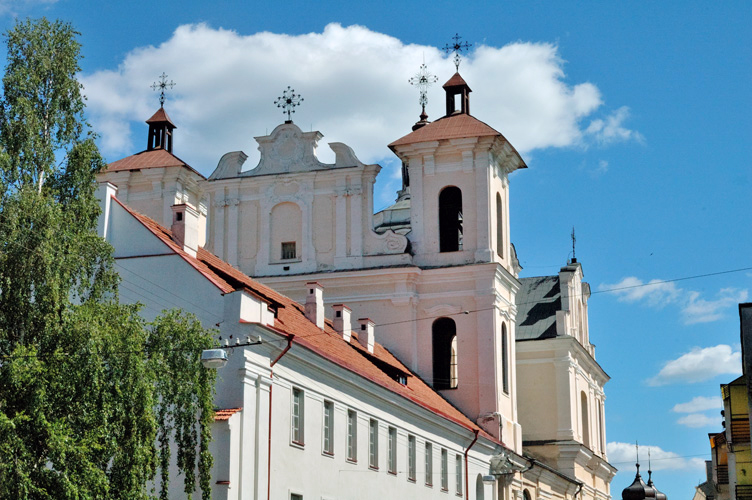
{"points": [[434, 277]]}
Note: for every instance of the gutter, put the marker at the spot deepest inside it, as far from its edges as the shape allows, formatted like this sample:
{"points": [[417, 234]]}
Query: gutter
{"points": [[467, 450], [271, 386]]}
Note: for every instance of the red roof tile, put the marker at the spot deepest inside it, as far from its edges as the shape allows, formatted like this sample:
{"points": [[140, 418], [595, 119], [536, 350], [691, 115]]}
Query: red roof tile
{"points": [[454, 126], [378, 367], [225, 413], [156, 158]]}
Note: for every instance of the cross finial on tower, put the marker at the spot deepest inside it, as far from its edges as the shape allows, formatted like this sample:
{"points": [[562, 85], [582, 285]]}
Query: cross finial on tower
{"points": [[423, 79], [458, 48], [637, 453], [288, 101], [574, 241], [162, 85]]}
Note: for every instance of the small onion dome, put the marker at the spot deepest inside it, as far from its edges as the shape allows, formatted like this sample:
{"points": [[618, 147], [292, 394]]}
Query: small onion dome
{"points": [[658, 494], [638, 490]]}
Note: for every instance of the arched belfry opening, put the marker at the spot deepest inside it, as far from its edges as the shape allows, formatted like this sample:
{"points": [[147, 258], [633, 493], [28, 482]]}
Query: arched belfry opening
{"points": [[160, 131], [444, 335], [457, 95], [450, 219]]}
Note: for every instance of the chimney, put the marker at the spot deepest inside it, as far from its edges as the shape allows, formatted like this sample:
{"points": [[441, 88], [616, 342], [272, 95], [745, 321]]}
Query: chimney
{"points": [[314, 303], [105, 192], [341, 321], [185, 228], [365, 334]]}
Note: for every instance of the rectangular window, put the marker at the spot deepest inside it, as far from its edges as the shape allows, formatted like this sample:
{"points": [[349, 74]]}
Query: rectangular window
{"points": [[458, 473], [444, 470], [298, 414], [295, 496], [288, 250], [352, 436], [429, 464], [392, 451], [373, 444], [328, 427], [411, 458]]}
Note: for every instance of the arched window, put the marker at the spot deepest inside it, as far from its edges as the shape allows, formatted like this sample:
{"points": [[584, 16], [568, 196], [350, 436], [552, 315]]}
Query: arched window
{"points": [[504, 359], [479, 493], [286, 232], [585, 424], [450, 219], [499, 227], [444, 332], [526, 495]]}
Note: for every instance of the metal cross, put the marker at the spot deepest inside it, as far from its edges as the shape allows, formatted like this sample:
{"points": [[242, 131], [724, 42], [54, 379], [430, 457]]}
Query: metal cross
{"points": [[288, 101], [423, 79], [574, 241], [457, 47], [163, 84]]}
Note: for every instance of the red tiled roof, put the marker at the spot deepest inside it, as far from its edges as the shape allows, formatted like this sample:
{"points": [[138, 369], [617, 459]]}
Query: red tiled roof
{"points": [[291, 321], [156, 158], [160, 116], [225, 413], [454, 126]]}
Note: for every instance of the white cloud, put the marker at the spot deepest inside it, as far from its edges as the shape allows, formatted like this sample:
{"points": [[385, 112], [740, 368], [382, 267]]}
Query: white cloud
{"points": [[354, 82], [624, 453], [700, 364], [699, 403], [611, 129], [14, 7], [657, 293], [697, 420]]}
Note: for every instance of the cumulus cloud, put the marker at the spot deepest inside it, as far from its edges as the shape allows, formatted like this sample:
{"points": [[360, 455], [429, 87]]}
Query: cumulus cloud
{"points": [[354, 81], [699, 364], [658, 294], [699, 403], [697, 420], [15, 7], [624, 453]]}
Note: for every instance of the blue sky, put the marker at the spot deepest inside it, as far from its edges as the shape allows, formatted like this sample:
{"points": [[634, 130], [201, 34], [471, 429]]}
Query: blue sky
{"points": [[634, 118]]}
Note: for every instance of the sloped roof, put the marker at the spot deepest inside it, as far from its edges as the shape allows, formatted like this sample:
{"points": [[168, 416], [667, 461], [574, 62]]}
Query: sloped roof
{"points": [[160, 116], [379, 367], [156, 158], [537, 302], [456, 81], [455, 126]]}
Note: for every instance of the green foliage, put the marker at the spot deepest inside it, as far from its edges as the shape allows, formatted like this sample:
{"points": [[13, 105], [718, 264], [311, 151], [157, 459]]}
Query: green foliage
{"points": [[87, 388]]}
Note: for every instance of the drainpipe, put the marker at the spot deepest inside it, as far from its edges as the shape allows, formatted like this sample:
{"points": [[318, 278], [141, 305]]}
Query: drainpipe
{"points": [[579, 489], [271, 386], [467, 479]]}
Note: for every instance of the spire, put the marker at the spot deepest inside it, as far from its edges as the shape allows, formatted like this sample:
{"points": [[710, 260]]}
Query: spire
{"points": [[160, 125]]}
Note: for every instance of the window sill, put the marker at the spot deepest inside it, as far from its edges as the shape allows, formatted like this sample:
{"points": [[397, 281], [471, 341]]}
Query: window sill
{"points": [[283, 262], [328, 454], [429, 485], [296, 444], [445, 490], [392, 473], [411, 480], [373, 468], [351, 460]]}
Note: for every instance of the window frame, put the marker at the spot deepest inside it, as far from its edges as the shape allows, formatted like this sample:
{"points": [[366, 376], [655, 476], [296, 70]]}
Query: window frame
{"points": [[373, 444], [444, 470], [429, 464], [294, 250], [352, 436], [391, 453], [327, 429], [412, 457], [458, 474], [297, 417]]}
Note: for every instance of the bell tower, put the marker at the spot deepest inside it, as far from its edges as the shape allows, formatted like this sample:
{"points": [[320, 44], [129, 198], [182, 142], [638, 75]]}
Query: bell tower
{"points": [[458, 168]]}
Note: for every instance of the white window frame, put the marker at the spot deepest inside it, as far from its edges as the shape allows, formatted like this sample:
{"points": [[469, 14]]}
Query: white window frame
{"points": [[297, 417], [444, 470], [328, 428], [373, 444], [412, 450], [392, 451], [429, 464], [352, 435], [458, 473]]}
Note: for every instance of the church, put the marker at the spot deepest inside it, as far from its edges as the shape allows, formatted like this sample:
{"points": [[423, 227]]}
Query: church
{"points": [[455, 359]]}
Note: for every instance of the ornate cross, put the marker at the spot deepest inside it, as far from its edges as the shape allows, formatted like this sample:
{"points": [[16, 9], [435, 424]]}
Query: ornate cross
{"points": [[288, 101], [163, 84], [458, 48], [423, 79], [574, 241]]}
